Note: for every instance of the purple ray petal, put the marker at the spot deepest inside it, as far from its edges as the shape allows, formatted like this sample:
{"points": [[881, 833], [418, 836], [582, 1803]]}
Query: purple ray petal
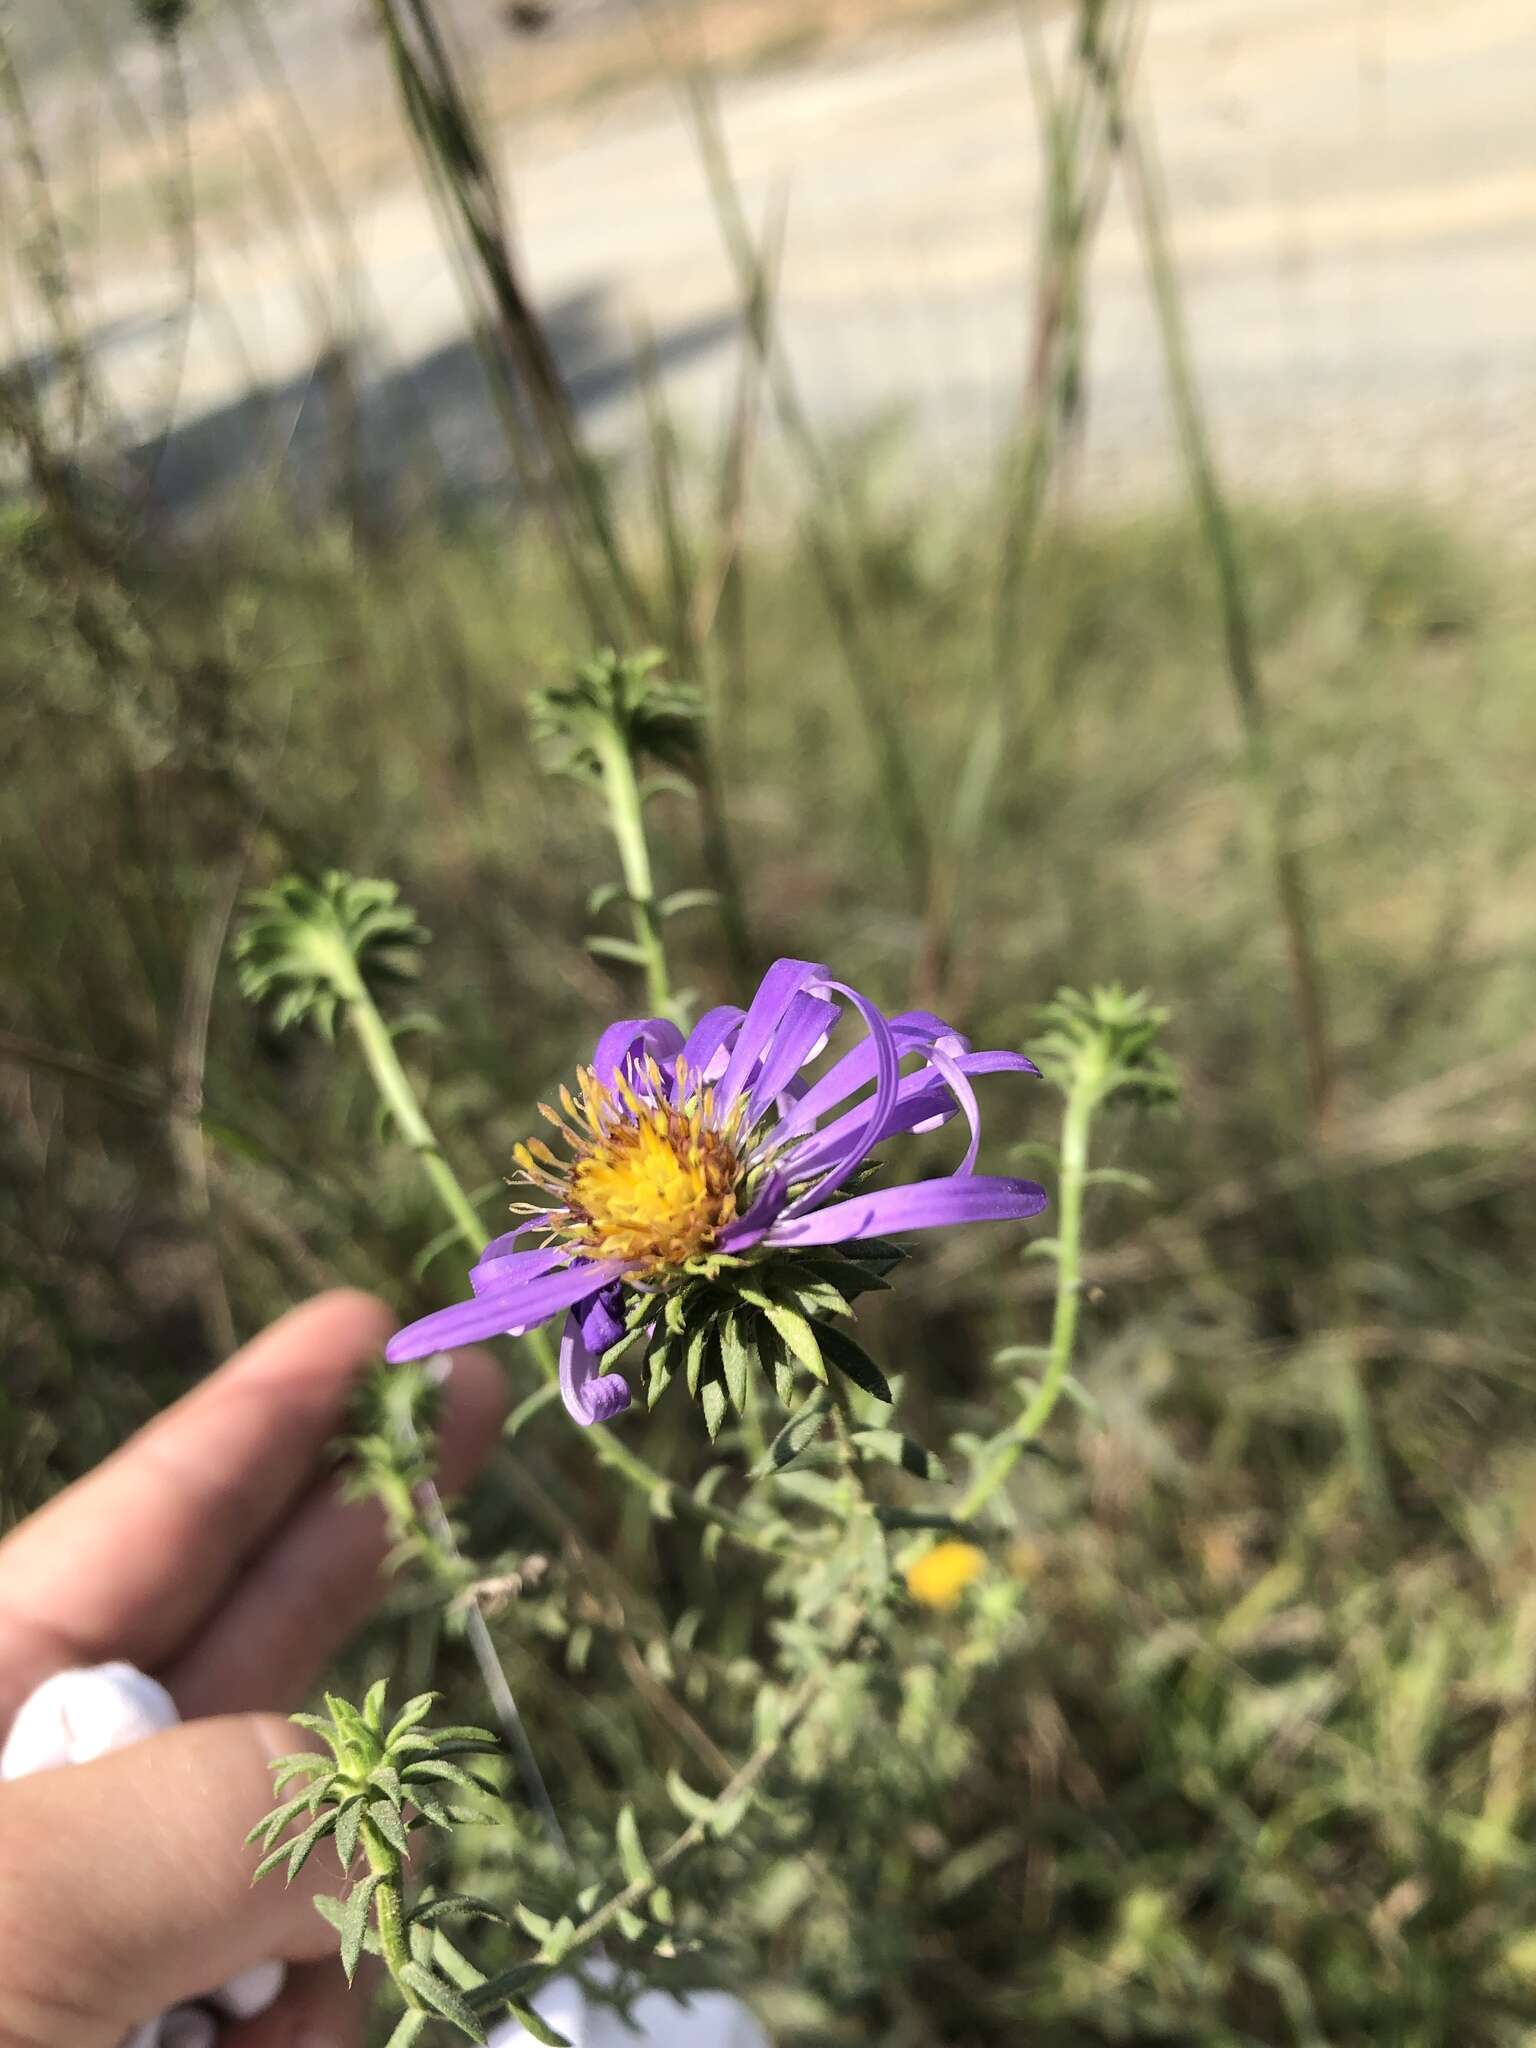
{"points": [[504, 1312], [511, 1269], [507, 1242], [954, 1077], [706, 1043], [635, 1037], [753, 1227], [944, 1104], [802, 1032], [867, 1133], [589, 1395], [923, 1101], [913, 1031], [775, 992], [601, 1317], [922, 1205]]}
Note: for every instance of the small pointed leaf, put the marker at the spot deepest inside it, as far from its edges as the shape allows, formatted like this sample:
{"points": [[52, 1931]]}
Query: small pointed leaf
{"points": [[354, 1921], [444, 1998]]}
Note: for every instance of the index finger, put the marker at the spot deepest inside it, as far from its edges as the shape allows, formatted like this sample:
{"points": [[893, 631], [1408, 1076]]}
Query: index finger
{"points": [[127, 1562]]}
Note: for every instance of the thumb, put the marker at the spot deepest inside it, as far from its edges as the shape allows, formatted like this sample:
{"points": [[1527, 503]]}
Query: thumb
{"points": [[125, 1884]]}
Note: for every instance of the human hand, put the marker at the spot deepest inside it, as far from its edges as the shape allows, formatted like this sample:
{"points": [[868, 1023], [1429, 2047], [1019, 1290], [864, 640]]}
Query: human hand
{"points": [[214, 1552]]}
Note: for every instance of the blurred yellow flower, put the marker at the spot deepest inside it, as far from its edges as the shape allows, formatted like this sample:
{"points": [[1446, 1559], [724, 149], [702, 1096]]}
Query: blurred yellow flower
{"points": [[941, 1575]]}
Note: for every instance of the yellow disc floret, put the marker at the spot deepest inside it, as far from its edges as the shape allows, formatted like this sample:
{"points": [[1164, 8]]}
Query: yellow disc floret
{"points": [[648, 1181]]}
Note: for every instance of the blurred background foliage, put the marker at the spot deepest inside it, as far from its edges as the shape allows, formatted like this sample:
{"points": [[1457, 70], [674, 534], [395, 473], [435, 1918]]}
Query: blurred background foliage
{"points": [[1234, 1742]]}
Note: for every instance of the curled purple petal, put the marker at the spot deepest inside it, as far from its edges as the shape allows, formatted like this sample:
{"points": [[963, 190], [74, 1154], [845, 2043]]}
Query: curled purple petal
{"points": [[802, 1032], [706, 1051], [954, 1077], [601, 1317], [778, 988], [870, 1129], [921, 1205], [636, 1038], [923, 1102], [913, 1031], [502, 1311], [589, 1396]]}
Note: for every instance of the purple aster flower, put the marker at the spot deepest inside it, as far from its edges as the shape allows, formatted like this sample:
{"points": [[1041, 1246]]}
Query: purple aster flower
{"points": [[682, 1148]]}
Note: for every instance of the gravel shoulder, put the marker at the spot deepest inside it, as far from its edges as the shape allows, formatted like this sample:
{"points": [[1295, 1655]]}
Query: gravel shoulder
{"points": [[1352, 182]]}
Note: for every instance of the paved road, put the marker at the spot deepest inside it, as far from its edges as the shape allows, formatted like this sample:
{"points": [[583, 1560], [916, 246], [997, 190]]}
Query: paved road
{"points": [[1353, 184]]}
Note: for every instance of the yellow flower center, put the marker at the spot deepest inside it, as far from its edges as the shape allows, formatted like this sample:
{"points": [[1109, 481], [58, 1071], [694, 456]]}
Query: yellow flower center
{"points": [[941, 1575], [647, 1182]]}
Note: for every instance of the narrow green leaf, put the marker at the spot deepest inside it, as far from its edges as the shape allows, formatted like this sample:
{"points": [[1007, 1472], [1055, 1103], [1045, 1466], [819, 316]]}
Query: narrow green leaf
{"points": [[802, 1429], [411, 2026], [737, 1357], [269, 1862], [354, 1921], [450, 1774], [924, 1518], [414, 1710], [299, 1851], [688, 899], [632, 1857], [384, 1817], [387, 1778], [890, 1447], [715, 1406], [532, 2023], [451, 1961], [854, 1362], [624, 950], [798, 1334], [813, 1487], [693, 1804], [785, 1386], [373, 1704], [448, 1904], [285, 1767], [349, 1722], [427, 1802], [444, 1998], [1117, 1177], [318, 1725], [815, 1298], [846, 1279], [296, 1851], [271, 1825], [559, 1938], [729, 1814], [878, 1254], [348, 1820], [661, 1363], [698, 1355], [505, 1985]]}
